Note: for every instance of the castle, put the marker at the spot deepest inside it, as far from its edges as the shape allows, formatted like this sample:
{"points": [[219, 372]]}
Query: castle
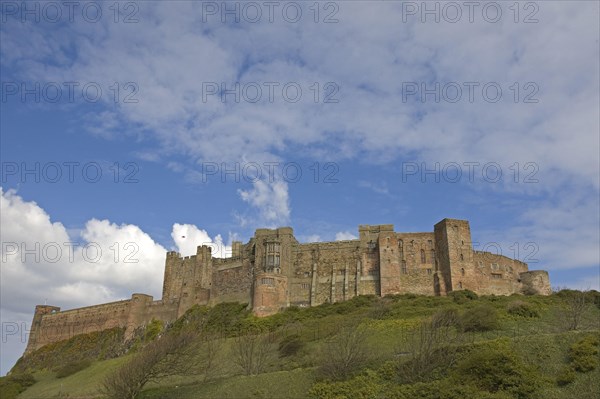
{"points": [[273, 271]]}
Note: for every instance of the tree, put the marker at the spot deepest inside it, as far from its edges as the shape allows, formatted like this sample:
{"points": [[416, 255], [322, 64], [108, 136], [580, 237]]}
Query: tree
{"points": [[574, 306], [251, 352], [171, 354], [344, 353], [209, 349], [430, 346]]}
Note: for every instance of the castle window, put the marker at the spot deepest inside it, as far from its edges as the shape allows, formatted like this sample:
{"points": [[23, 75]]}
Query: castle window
{"points": [[305, 286], [430, 243], [462, 271], [462, 257], [273, 260], [404, 271], [267, 281], [423, 258], [496, 276], [432, 255], [460, 285], [401, 245], [273, 256]]}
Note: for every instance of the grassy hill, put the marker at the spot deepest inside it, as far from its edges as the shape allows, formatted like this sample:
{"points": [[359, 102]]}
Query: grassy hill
{"points": [[397, 347]]}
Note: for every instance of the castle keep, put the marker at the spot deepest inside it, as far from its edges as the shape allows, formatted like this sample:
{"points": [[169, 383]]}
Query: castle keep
{"points": [[273, 271]]}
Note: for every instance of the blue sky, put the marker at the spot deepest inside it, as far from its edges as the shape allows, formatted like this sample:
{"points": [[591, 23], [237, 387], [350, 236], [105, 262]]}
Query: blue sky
{"points": [[387, 93]]}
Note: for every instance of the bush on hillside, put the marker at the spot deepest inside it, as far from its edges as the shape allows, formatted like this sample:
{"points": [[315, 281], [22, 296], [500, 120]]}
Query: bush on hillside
{"points": [[480, 318], [496, 368], [445, 318], [522, 309], [565, 376], [583, 354], [98, 345], [11, 386], [153, 328], [290, 345], [463, 296]]}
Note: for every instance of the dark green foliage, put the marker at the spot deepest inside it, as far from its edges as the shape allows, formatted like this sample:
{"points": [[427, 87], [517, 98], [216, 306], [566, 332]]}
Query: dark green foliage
{"points": [[153, 329], [72, 368], [223, 319], [496, 368], [365, 386], [583, 354], [12, 385], [227, 318], [480, 318], [462, 296], [369, 385], [565, 376], [97, 345], [522, 309], [595, 297], [290, 345]]}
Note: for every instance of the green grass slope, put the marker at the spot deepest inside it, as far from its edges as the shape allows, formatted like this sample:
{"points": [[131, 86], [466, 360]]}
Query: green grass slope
{"points": [[516, 335]]}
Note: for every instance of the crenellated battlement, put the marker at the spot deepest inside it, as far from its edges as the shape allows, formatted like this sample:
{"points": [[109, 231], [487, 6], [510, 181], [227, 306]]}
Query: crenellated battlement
{"points": [[273, 271]]}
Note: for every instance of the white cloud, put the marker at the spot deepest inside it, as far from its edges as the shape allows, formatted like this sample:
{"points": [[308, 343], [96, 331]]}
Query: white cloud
{"points": [[312, 238], [379, 188], [41, 263], [188, 237], [271, 199], [345, 235]]}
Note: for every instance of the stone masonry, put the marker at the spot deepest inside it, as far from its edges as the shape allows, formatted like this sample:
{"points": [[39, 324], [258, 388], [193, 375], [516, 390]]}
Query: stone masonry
{"points": [[274, 271]]}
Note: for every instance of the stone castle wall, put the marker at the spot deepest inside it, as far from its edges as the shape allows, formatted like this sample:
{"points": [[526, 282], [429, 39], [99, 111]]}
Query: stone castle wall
{"points": [[273, 271]]}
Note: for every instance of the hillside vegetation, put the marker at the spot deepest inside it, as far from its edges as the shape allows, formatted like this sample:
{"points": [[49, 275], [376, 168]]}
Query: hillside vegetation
{"points": [[406, 346]]}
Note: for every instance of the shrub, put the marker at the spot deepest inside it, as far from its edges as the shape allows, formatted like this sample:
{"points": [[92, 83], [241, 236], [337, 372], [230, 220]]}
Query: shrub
{"points": [[12, 385], [98, 345], [365, 386], [463, 296], [583, 354], [522, 309], [445, 318], [153, 329], [344, 354], [72, 368], [565, 376], [431, 353], [290, 345], [480, 318], [496, 368]]}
